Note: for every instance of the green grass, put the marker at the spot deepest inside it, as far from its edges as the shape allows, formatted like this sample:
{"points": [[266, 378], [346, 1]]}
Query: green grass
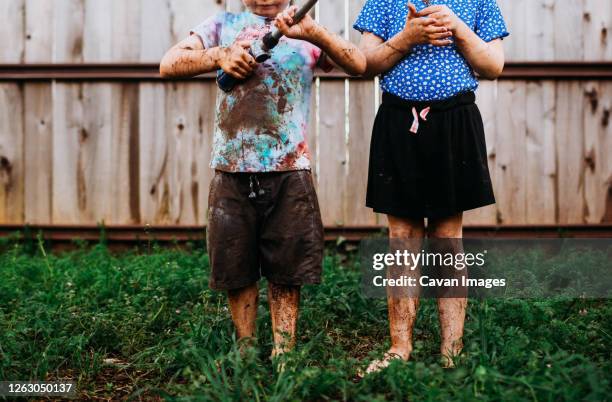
{"points": [[62, 315]]}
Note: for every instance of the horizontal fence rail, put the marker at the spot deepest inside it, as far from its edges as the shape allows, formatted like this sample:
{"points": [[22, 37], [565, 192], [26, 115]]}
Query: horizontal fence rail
{"points": [[129, 235], [150, 72]]}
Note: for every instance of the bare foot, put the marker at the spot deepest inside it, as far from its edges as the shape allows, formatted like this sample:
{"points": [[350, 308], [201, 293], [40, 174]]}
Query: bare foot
{"points": [[450, 354], [381, 364], [246, 344], [279, 360]]}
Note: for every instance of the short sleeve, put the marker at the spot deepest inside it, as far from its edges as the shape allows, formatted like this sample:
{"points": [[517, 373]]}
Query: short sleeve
{"points": [[490, 23], [324, 63], [209, 31], [374, 18]]}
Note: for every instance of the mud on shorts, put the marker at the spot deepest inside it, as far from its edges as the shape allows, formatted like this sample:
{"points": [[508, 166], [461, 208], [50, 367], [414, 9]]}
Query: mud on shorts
{"points": [[265, 224]]}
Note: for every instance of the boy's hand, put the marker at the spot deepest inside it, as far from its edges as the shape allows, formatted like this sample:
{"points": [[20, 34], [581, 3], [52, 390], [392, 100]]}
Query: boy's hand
{"points": [[305, 29], [443, 16], [420, 31], [236, 60]]}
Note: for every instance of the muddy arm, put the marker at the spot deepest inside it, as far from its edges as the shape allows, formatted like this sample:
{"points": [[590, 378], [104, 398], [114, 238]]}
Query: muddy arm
{"points": [[486, 58], [383, 56], [342, 53], [189, 59]]}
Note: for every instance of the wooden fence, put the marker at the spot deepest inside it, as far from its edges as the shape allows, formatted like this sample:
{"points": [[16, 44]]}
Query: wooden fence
{"points": [[138, 152]]}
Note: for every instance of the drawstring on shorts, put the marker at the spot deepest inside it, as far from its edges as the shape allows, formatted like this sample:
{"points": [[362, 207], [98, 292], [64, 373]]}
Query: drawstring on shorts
{"points": [[253, 182]]}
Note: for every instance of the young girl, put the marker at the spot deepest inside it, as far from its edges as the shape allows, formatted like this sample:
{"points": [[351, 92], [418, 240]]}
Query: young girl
{"points": [[428, 154]]}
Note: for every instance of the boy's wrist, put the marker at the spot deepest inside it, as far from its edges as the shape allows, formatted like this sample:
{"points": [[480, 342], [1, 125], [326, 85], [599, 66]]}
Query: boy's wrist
{"points": [[317, 35], [217, 54]]}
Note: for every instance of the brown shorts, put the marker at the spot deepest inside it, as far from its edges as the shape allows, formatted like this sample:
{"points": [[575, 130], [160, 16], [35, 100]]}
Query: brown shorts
{"points": [[265, 224]]}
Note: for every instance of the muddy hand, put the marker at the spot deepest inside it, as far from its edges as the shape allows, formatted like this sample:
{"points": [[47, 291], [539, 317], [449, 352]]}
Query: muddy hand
{"points": [[443, 17], [423, 30], [237, 61], [285, 23]]}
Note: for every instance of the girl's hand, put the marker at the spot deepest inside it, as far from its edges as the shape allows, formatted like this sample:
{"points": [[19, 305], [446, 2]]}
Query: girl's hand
{"points": [[305, 29], [443, 17], [421, 31]]}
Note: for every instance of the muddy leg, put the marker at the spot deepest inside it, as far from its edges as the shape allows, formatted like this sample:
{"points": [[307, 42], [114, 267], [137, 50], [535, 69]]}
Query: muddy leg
{"points": [[451, 310], [403, 309], [243, 306], [452, 320], [284, 308]]}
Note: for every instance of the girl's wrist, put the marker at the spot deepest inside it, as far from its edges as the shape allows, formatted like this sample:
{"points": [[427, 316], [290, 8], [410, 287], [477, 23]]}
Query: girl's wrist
{"points": [[459, 32], [403, 43]]}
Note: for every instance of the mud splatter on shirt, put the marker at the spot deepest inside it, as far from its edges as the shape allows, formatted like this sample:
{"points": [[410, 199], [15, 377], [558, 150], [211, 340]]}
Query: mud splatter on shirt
{"points": [[261, 124]]}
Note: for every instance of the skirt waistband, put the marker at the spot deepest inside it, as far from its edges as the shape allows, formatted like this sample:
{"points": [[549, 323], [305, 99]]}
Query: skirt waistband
{"points": [[466, 98]]}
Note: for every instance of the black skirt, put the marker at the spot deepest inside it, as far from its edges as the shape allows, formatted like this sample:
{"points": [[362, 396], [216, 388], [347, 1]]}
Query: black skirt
{"points": [[436, 172]]}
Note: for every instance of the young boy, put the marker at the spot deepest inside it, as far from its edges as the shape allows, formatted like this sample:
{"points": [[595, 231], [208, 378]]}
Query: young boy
{"points": [[264, 217], [428, 155]]}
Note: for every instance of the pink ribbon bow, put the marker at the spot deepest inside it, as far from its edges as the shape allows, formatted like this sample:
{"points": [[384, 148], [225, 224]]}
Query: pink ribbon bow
{"points": [[415, 123]]}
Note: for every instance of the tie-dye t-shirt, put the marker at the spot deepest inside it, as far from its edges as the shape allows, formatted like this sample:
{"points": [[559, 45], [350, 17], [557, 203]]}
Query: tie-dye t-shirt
{"points": [[261, 124]]}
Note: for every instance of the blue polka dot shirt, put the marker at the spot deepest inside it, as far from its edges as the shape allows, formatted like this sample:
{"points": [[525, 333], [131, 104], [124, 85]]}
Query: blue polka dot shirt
{"points": [[431, 73]]}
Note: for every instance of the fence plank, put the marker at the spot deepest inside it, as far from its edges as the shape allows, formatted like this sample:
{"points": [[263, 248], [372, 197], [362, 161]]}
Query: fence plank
{"points": [[12, 31], [38, 151], [153, 152], [332, 153], [182, 131], [540, 152], [156, 36], [312, 133], [126, 30], [597, 39], [38, 114], [186, 14], [539, 29], [11, 154], [313, 124], [597, 151], [515, 13], [88, 132], [67, 111], [38, 31], [606, 150], [97, 137], [122, 103], [570, 153], [569, 23], [206, 125], [361, 116], [332, 129], [362, 109], [511, 144], [123, 164], [67, 129], [155, 39]]}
